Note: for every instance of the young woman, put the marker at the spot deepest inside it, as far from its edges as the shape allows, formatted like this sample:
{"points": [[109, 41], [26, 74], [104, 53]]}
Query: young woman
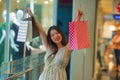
{"points": [[57, 52]]}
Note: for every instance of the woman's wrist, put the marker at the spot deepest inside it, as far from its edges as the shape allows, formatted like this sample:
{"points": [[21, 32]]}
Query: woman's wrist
{"points": [[33, 16]]}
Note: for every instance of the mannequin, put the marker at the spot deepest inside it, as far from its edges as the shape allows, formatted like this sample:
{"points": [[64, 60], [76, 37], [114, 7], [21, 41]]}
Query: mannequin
{"points": [[2, 36], [20, 54], [16, 19], [13, 35], [19, 16], [3, 31], [13, 21]]}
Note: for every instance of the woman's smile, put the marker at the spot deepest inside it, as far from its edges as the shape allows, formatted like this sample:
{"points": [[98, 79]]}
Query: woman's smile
{"points": [[57, 38]]}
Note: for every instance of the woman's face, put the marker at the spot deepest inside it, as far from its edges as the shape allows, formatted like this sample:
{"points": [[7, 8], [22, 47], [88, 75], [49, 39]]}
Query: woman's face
{"points": [[56, 36]]}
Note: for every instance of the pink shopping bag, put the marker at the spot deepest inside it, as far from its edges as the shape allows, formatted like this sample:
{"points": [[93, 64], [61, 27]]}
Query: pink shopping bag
{"points": [[79, 34]]}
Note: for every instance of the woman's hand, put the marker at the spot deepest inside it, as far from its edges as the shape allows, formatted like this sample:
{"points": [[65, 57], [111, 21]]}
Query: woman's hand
{"points": [[80, 14], [29, 11]]}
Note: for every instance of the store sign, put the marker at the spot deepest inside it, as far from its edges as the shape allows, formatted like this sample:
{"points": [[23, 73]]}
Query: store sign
{"points": [[116, 16]]}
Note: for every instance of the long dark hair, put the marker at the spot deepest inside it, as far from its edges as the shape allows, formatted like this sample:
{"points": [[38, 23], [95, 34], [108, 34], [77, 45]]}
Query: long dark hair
{"points": [[51, 43]]}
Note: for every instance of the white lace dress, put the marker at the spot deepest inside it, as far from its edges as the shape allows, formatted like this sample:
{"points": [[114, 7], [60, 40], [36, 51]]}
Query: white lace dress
{"points": [[55, 66]]}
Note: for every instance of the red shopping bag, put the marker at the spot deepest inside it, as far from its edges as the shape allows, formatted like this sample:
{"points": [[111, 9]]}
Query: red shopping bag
{"points": [[79, 34]]}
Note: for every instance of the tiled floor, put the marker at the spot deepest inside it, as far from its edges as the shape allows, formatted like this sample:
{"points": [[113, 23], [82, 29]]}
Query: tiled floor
{"points": [[107, 75], [108, 71]]}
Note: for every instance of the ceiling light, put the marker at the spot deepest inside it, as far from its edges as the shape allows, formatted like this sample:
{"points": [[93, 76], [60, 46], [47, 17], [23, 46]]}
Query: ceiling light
{"points": [[18, 1], [46, 2], [112, 28]]}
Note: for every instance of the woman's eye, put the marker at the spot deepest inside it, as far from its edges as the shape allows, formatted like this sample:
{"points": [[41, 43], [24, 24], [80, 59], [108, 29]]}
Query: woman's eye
{"points": [[52, 35], [56, 33]]}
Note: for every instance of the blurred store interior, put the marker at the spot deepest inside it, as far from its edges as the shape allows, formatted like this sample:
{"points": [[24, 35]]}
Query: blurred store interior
{"points": [[108, 23]]}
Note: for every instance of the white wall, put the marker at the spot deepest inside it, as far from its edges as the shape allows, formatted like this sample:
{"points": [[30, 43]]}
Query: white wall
{"points": [[82, 60]]}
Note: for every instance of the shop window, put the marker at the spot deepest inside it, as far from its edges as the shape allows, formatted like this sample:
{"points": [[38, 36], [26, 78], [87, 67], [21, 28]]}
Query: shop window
{"points": [[43, 12]]}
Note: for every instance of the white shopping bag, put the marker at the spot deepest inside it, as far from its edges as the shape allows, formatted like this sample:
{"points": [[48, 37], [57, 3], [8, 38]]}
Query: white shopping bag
{"points": [[25, 31]]}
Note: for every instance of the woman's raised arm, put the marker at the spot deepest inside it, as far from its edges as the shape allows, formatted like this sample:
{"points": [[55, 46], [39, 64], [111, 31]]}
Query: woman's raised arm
{"points": [[40, 28]]}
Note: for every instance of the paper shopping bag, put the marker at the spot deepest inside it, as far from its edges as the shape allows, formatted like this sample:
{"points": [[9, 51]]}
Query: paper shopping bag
{"points": [[25, 31], [79, 35], [34, 28], [72, 36]]}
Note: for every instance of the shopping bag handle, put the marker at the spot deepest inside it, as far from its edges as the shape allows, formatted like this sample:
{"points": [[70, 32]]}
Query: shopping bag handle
{"points": [[79, 15], [26, 14]]}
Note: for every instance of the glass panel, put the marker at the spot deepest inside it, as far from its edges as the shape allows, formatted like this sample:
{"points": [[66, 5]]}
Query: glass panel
{"points": [[23, 56], [16, 15], [22, 66], [43, 12]]}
